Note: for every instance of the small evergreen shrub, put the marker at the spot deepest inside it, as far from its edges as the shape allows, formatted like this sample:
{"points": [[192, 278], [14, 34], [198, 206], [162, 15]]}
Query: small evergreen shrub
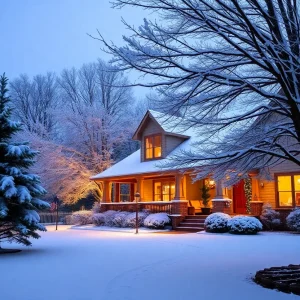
{"points": [[131, 217], [81, 217], [157, 221], [109, 216], [244, 225], [269, 217], [98, 219], [217, 222], [119, 219], [293, 220]]}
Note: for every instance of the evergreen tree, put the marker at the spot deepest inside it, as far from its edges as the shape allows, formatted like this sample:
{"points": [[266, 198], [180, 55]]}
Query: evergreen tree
{"points": [[19, 190]]}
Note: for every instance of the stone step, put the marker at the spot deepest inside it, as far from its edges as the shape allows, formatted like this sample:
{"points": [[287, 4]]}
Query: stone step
{"points": [[188, 224], [189, 229], [196, 217], [193, 221]]}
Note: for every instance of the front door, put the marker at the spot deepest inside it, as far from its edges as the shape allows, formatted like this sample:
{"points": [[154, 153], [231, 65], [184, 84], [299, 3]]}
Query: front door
{"points": [[239, 198]]}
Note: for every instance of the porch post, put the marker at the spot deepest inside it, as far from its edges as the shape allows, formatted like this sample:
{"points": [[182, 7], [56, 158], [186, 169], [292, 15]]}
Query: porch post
{"points": [[255, 204], [106, 192], [255, 189], [139, 187], [117, 192], [178, 187], [221, 203]]}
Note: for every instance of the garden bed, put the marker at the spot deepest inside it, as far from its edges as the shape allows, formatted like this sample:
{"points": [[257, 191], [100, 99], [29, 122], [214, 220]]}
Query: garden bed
{"points": [[285, 279]]}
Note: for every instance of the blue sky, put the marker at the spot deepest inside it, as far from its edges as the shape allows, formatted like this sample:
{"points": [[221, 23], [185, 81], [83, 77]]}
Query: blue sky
{"points": [[49, 35]]}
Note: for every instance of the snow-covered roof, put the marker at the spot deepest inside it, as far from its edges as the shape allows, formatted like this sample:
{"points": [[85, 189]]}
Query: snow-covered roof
{"points": [[171, 125], [132, 164]]}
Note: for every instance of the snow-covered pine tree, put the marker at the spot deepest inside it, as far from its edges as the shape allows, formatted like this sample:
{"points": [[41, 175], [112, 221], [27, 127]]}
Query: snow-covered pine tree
{"points": [[19, 190]]}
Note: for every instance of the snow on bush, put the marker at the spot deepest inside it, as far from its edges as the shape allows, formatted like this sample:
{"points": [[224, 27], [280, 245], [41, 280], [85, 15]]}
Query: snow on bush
{"points": [[98, 219], [244, 225], [96, 207], [157, 221], [269, 217], [217, 222], [119, 219], [109, 216], [131, 217], [81, 217], [293, 220]]}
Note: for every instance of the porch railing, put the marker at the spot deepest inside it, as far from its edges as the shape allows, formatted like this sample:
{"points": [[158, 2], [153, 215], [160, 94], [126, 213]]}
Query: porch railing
{"points": [[153, 207]]}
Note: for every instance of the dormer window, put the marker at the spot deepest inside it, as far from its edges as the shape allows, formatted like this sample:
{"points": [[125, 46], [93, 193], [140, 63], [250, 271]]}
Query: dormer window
{"points": [[153, 148]]}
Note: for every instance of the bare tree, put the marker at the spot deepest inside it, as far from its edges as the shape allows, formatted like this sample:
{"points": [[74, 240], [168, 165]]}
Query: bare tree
{"points": [[98, 104], [63, 170], [223, 63], [35, 102]]}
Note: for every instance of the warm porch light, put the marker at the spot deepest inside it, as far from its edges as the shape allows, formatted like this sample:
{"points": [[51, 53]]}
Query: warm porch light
{"points": [[211, 183], [137, 198]]}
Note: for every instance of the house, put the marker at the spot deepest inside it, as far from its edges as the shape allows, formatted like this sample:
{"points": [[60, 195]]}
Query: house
{"points": [[173, 190]]}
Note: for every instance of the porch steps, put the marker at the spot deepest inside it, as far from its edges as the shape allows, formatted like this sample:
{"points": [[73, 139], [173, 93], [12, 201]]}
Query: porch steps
{"points": [[192, 223]]}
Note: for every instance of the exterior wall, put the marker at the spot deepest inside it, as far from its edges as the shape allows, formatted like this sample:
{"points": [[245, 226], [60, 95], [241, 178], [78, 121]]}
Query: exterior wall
{"points": [[148, 190], [193, 191], [171, 143], [152, 128], [267, 188]]}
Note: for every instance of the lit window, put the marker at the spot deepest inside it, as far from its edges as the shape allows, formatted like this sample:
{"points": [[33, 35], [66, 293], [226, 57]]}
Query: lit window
{"points": [[164, 190], [288, 190], [153, 146]]}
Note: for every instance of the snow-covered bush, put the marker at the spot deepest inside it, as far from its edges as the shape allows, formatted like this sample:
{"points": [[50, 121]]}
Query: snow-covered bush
{"points": [[131, 217], [81, 217], [217, 222], [109, 216], [96, 207], [119, 219], [244, 225], [98, 219], [157, 221], [269, 217], [293, 220]]}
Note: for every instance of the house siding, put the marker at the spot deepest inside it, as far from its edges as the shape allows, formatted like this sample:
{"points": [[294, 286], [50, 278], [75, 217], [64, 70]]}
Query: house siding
{"points": [[267, 188], [171, 143], [148, 190]]}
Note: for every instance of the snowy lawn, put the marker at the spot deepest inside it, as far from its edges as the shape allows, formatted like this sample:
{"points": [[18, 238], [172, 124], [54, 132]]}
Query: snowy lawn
{"points": [[83, 265]]}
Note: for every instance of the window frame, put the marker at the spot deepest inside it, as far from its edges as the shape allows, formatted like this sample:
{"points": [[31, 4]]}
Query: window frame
{"points": [[153, 148], [293, 191], [170, 181]]}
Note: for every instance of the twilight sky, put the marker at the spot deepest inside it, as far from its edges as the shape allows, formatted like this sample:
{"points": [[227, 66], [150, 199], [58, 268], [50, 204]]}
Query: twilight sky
{"points": [[49, 35]]}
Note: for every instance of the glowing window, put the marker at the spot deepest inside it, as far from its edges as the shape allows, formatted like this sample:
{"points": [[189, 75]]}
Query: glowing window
{"points": [[288, 190], [153, 147], [164, 190]]}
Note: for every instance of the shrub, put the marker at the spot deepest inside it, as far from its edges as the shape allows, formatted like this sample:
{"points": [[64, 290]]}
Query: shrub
{"points": [[217, 222], [119, 219], [109, 216], [293, 220], [98, 219], [157, 221], [131, 217], [96, 207], [244, 225], [270, 217], [81, 217]]}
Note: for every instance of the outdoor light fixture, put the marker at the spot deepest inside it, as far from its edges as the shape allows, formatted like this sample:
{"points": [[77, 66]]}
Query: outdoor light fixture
{"points": [[211, 183], [137, 197]]}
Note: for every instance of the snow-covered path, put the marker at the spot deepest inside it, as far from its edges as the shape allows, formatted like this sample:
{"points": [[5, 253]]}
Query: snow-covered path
{"points": [[84, 265]]}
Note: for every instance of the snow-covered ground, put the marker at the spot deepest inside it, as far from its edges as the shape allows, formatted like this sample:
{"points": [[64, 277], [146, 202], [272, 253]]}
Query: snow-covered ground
{"points": [[83, 265]]}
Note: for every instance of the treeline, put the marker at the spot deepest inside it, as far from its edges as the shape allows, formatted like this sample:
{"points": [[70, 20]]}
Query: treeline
{"points": [[81, 121]]}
